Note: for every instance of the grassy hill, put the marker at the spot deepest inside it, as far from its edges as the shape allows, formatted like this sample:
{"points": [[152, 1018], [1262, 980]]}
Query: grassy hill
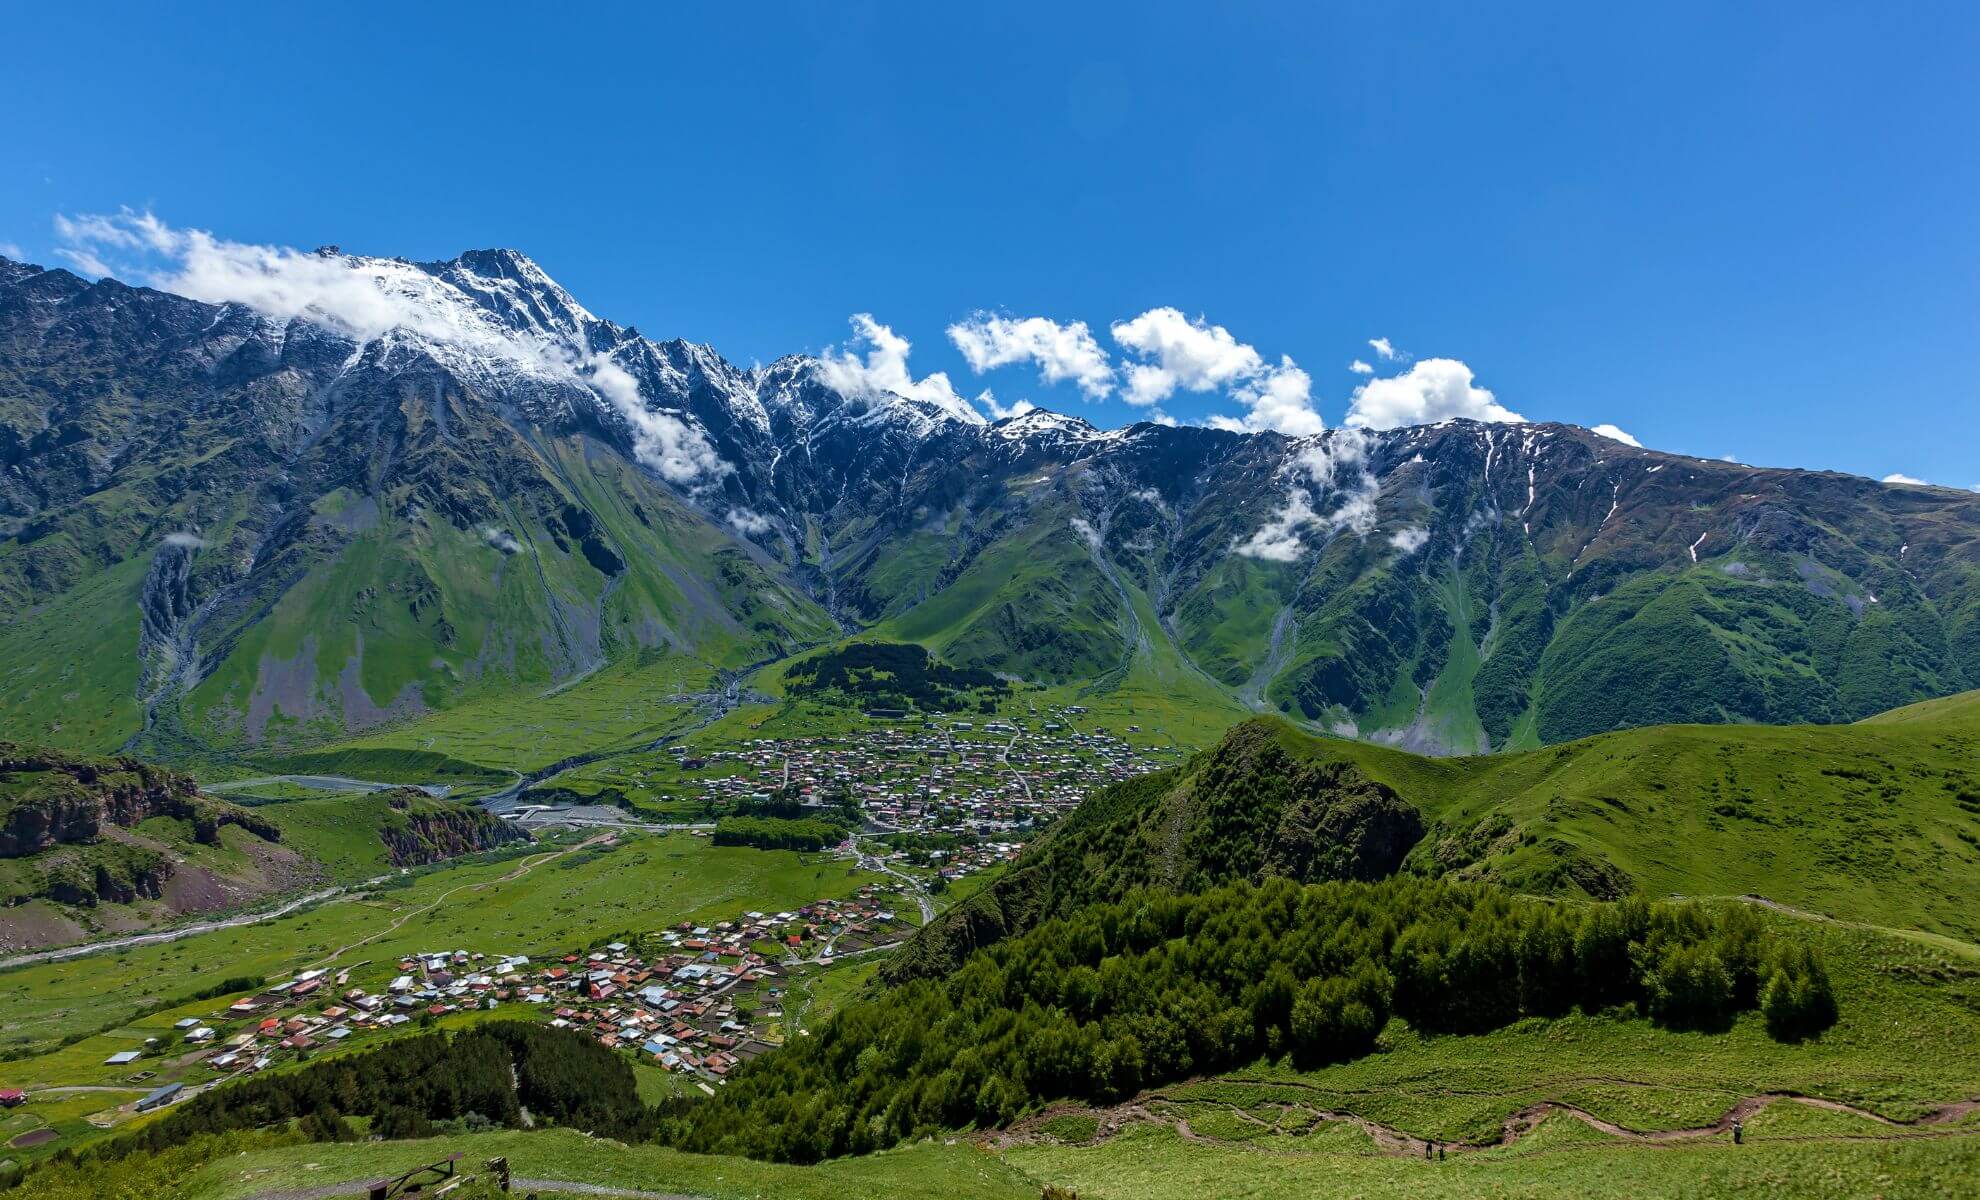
{"points": [[1876, 822]]}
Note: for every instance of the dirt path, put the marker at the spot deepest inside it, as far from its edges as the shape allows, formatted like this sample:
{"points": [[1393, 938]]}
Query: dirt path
{"points": [[1157, 1108], [522, 868], [517, 1186]]}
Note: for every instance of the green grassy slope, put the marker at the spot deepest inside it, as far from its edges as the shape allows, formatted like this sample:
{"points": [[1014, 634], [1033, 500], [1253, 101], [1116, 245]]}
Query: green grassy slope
{"points": [[1877, 822]]}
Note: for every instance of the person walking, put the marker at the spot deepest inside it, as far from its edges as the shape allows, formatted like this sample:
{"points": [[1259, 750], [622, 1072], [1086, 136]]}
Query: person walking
{"points": [[1738, 1133]]}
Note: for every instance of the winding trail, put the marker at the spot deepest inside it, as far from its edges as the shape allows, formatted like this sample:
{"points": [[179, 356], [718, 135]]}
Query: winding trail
{"points": [[1160, 1108]]}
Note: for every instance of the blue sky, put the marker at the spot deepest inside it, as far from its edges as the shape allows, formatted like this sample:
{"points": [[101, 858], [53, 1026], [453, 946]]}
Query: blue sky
{"points": [[1750, 233]]}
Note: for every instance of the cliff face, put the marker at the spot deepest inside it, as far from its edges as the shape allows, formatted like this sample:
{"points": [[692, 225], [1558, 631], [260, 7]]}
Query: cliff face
{"points": [[48, 799], [422, 830]]}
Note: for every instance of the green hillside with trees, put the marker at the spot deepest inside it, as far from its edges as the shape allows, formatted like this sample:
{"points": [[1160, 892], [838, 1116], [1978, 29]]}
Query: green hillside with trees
{"points": [[1876, 822]]}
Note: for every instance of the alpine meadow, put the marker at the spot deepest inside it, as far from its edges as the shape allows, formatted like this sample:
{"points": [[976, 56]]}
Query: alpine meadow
{"points": [[1174, 606]]}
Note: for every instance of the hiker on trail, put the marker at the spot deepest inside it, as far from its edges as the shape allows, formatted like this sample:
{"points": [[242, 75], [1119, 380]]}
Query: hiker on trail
{"points": [[1737, 1132], [1427, 1147], [1440, 1153]]}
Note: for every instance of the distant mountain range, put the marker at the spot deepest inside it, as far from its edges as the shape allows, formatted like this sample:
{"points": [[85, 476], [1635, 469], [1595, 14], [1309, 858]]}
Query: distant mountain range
{"points": [[221, 530]]}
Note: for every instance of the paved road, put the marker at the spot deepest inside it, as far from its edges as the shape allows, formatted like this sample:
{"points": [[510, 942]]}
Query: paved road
{"points": [[920, 897], [1005, 758]]}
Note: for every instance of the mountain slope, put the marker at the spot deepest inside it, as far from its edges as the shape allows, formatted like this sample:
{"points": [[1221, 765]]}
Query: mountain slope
{"points": [[1876, 822], [227, 529]]}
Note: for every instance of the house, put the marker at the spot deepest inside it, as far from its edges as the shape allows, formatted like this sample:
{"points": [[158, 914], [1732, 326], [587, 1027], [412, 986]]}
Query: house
{"points": [[121, 1058], [12, 1097], [160, 1097]]}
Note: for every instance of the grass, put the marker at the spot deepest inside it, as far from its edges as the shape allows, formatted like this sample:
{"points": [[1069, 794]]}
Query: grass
{"points": [[338, 829], [69, 671], [1896, 995], [624, 704], [1155, 1163], [934, 1172], [1876, 822]]}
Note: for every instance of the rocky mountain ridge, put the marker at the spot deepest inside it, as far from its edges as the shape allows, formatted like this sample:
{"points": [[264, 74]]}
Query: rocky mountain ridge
{"points": [[223, 526]]}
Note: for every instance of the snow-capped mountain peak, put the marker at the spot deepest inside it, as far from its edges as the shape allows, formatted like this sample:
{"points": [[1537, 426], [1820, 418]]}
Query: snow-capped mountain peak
{"points": [[1044, 423]]}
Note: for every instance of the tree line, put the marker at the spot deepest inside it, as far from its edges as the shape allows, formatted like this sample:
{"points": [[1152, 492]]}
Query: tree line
{"points": [[902, 674], [778, 833], [484, 1076], [1159, 987]]}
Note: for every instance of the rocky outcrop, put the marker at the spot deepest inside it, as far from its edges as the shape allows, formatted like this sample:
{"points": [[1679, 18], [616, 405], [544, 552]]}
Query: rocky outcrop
{"points": [[50, 799], [121, 875], [420, 830]]}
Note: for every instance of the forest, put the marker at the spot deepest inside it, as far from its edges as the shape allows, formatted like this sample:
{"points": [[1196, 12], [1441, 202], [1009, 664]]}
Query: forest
{"points": [[894, 674], [778, 833], [482, 1076], [1159, 987]]}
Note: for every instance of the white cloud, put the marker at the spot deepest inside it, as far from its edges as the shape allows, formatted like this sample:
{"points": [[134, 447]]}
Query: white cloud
{"points": [[1383, 347], [1180, 353], [1062, 352], [1281, 399], [1278, 540], [12, 250], [1409, 541], [1433, 389], [190, 541], [1895, 477], [1616, 435], [884, 371], [667, 444], [1360, 367], [501, 539], [1194, 355], [999, 412], [1323, 463], [748, 521], [1087, 533], [365, 298]]}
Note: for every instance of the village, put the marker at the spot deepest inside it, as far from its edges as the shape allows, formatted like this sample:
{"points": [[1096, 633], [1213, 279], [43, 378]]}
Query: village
{"points": [[693, 1000], [937, 800], [939, 775]]}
